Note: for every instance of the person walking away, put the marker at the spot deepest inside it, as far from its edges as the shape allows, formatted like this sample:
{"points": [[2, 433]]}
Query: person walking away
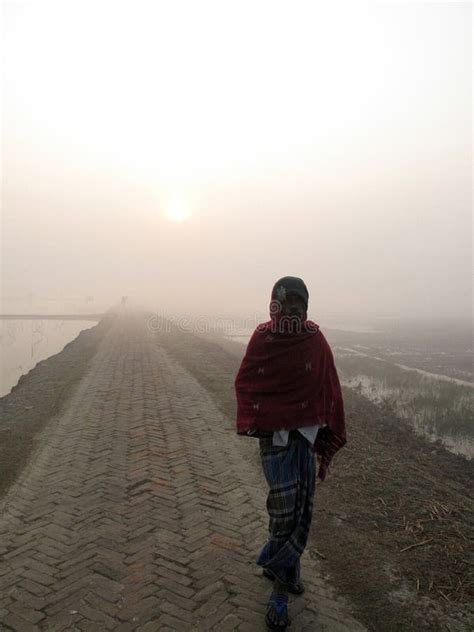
{"points": [[289, 397]]}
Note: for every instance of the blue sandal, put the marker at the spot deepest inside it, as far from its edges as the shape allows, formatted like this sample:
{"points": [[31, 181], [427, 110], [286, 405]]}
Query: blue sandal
{"points": [[278, 605]]}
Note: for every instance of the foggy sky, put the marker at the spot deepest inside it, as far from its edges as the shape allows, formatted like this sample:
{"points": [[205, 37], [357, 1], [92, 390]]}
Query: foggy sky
{"points": [[332, 144]]}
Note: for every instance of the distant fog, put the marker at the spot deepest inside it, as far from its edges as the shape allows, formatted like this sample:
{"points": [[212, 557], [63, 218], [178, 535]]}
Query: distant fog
{"points": [[188, 159]]}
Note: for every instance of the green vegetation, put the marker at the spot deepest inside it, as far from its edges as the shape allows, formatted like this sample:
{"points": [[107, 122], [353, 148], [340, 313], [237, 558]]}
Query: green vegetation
{"points": [[438, 407]]}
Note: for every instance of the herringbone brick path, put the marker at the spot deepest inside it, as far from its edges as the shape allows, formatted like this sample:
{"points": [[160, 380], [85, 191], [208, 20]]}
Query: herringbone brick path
{"points": [[139, 511]]}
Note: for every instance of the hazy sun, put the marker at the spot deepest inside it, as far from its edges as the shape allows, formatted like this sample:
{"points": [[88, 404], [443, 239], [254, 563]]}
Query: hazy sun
{"points": [[177, 211]]}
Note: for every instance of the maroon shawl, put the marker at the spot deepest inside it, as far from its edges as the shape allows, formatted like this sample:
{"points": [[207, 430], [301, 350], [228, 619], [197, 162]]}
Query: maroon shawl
{"points": [[287, 380]]}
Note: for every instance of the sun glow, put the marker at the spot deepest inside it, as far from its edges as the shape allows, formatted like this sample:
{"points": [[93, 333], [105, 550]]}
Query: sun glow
{"points": [[177, 211]]}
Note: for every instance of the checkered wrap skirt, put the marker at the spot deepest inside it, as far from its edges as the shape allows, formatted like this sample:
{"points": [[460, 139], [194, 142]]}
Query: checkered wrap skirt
{"points": [[291, 476]]}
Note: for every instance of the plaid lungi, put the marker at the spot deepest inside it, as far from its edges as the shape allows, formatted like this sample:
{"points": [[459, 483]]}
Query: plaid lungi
{"points": [[291, 476]]}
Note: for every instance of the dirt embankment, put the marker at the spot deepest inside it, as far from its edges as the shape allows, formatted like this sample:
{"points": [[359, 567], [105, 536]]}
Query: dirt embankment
{"points": [[393, 520], [39, 396]]}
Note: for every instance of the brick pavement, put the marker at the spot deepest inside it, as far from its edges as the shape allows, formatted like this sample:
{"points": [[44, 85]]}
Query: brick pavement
{"points": [[141, 510]]}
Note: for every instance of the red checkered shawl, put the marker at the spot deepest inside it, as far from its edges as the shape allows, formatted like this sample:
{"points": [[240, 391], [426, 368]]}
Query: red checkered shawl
{"points": [[288, 380]]}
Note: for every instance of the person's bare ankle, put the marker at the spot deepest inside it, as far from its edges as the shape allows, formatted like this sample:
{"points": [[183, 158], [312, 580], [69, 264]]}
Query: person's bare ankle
{"points": [[280, 588]]}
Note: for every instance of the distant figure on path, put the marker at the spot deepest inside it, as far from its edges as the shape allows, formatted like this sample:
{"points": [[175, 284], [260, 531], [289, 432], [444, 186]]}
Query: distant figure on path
{"points": [[289, 397]]}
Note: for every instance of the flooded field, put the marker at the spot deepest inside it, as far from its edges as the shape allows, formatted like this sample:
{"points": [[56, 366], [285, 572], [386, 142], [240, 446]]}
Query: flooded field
{"points": [[23, 343], [439, 409]]}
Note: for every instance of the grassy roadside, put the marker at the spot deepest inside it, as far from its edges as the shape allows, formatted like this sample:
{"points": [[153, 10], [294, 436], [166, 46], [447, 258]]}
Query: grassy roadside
{"points": [[40, 395]]}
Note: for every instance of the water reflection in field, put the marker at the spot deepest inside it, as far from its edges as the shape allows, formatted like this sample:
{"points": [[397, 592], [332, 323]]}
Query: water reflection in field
{"points": [[23, 343], [433, 411]]}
